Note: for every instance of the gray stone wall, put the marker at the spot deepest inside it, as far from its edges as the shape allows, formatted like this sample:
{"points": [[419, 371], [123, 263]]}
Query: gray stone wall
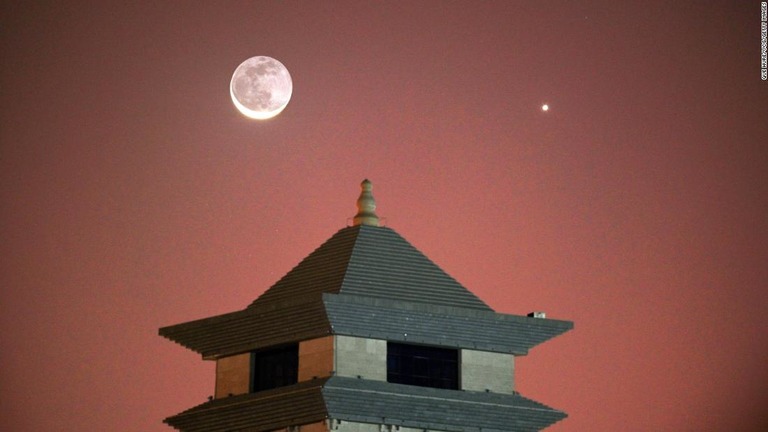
{"points": [[362, 357], [345, 426], [481, 371]]}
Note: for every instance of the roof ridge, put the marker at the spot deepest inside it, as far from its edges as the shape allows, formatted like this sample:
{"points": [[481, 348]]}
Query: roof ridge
{"points": [[344, 278], [308, 268]]}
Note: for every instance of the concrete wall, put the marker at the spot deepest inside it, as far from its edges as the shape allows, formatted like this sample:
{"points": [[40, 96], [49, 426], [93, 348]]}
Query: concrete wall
{"points": [[482, 371], [348, 356], [345, 426], [315, 358], [362, 357], [353, 356], [313, 427], [357, 427], [233, 375]]}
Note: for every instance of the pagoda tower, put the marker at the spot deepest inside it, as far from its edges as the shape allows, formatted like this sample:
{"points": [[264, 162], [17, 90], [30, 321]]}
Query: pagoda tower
{"points": [[366, 334]]}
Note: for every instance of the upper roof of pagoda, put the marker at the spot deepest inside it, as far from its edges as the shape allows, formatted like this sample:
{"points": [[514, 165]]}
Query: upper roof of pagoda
{"points": [[370, 261], [368, 281]]}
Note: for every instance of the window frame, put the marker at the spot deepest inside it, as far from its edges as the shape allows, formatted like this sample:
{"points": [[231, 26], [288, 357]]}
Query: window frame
{"points": [[274, 367], [423, 365]]}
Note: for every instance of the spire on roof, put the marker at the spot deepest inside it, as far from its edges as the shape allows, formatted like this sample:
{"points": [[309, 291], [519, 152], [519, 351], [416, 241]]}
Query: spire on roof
{"points": [[366, 206]]}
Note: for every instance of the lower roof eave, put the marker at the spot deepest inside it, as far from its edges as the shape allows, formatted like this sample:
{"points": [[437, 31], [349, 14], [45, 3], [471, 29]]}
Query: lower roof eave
{"points": [[366, 401]]}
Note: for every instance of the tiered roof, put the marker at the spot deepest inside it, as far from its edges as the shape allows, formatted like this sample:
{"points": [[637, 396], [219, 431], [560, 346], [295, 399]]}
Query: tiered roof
{"points": [[366, 281]]}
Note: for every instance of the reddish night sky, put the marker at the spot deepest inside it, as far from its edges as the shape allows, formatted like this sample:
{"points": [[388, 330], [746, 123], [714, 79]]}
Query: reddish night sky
{"points": [[135, 196]]}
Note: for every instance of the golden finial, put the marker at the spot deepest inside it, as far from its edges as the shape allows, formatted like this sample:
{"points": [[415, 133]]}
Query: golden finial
{"points": [[366, 206]]}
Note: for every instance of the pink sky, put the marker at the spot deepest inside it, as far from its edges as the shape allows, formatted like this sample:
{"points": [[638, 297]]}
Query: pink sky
{"points": [[135, 196]]}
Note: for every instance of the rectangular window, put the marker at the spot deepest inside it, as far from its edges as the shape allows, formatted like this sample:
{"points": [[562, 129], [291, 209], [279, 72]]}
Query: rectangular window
{"points": [[422, 366], [274, 367]]}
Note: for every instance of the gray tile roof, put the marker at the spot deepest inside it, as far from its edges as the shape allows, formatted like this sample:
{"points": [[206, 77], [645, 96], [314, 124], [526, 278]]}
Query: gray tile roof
{"points": [[374, 262], [365, 281], [349, 315], [443, 326], [349, 399], [250, 329], [264, 411], [431, 408]]}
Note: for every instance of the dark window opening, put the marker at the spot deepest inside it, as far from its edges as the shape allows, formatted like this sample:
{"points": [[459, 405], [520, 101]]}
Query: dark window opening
{"points": [[275, 367], [422, 366]]}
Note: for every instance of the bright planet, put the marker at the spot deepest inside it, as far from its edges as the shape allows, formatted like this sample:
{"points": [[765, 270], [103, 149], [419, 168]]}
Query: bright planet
{"points": [[261, 87]]}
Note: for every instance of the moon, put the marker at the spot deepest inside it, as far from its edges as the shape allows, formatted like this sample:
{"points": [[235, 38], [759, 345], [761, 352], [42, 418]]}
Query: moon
{"points": [[261, 87], [545, 107]]}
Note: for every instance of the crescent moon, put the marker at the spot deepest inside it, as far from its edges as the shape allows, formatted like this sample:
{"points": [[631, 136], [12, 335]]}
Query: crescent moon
{"points": [[261, 87]]}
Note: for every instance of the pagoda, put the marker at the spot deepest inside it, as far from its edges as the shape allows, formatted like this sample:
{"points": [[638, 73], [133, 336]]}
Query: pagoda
{"points": [[366, 334]]}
